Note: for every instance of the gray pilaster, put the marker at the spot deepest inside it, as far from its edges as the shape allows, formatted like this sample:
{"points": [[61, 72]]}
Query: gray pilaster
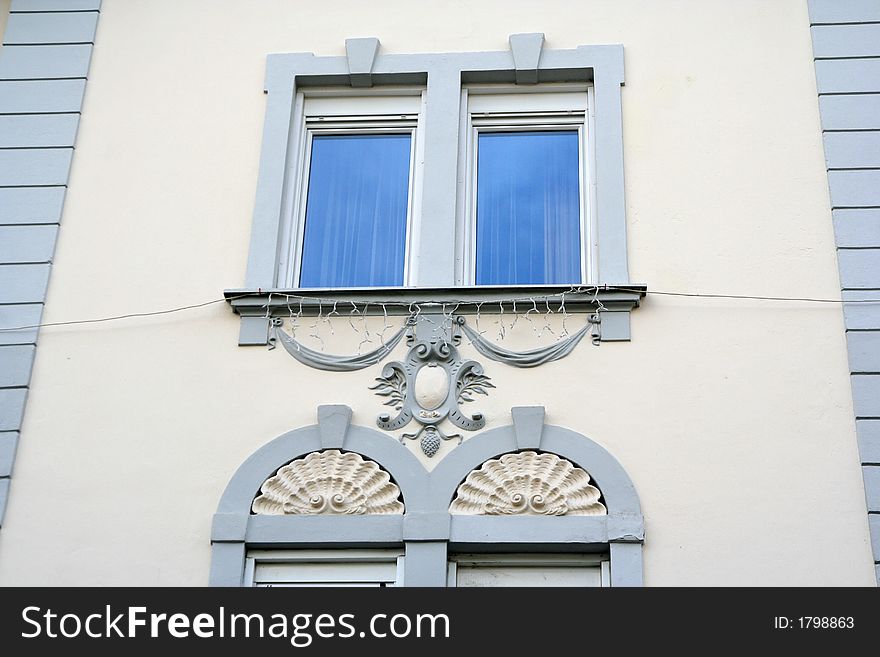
{"points": [[44, 62], [437, 266], [626, 564], [424, 564], [846, 49], [227, 564]]}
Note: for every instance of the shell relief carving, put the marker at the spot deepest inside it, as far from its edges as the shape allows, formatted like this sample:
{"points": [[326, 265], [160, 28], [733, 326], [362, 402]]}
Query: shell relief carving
{"points": [[329, 482], [528, 483]]}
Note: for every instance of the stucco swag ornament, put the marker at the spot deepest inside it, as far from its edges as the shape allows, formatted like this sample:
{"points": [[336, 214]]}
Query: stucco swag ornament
{"points": [[433, 381], [430, 384]]}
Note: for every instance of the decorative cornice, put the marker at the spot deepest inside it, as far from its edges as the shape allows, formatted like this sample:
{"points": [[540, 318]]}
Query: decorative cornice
{"points": [[528, 483], [329, 482], [278, 302]]}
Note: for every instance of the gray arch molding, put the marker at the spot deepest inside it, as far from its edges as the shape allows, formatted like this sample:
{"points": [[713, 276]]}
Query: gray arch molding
{"points": [[426, 528]]}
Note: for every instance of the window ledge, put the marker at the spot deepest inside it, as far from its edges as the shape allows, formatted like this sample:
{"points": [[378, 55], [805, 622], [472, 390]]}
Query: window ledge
{"points": [[257, 306]]}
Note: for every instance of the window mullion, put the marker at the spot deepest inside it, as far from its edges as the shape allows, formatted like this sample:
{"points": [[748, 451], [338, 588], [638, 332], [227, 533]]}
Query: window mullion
{"points": [[435, 249]]}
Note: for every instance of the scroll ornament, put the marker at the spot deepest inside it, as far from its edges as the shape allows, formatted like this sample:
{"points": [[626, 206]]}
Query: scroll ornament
{"points": [[430, 385]]}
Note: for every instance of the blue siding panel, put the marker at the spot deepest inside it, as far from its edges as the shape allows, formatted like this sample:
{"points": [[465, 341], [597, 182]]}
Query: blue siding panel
{"points": [[871, 473], [39, 166], [861, 315], [8, 444], [55, 5], [69, 27], [38, 130], [857, 228], [16, 363], [12, 408], [20, 244], [869, 440], [23, 283], [845, 40], [859, 268], [854, 189], [855, 112], [852, 150], [20, 314], [31, 205], [44, 62], [866, 395], [864, 351], [840, 11]]}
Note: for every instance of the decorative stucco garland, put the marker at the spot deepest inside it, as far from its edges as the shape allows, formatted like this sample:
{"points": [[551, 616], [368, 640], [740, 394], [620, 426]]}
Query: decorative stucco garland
{"points": [[432, 382]]}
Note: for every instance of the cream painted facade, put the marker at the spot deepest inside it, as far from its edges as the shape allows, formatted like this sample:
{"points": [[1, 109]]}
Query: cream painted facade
{"points": [[734, 419]]}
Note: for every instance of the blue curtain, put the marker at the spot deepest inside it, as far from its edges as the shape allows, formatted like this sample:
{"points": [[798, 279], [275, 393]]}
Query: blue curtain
{"points": [[355, 226], [528, 208]]}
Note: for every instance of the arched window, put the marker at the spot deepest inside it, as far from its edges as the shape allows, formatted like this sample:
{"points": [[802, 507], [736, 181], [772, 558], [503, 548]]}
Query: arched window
{"points": [[337, 504]]}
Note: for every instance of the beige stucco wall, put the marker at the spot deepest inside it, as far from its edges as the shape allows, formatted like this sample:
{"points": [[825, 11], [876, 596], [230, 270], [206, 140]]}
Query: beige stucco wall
{"points": [[733, 418]]}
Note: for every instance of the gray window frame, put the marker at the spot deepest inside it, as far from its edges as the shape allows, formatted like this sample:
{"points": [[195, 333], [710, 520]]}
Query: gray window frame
{"points": [[438, 243], [427, 531]]}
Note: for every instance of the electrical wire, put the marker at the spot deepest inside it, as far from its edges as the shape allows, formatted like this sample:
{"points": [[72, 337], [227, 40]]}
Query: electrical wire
{"points": [[574, 290]]}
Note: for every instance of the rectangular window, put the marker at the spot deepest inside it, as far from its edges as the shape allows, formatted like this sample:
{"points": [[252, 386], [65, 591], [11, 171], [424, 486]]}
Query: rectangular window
{"points": [[296, 568], [527, 216], [353, 204], [356, 210], [529, 570], [528, 208]]}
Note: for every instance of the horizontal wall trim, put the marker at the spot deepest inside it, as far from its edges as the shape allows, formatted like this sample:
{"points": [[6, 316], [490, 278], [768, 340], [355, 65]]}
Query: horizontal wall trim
{"points": [[819, 24], [846, 57], [321, 530], [827, 94]]}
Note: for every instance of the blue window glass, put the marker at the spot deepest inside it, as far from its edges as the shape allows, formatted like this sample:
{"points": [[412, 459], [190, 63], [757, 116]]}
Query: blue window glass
{"points": [[355, 225], [528, 208]]}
